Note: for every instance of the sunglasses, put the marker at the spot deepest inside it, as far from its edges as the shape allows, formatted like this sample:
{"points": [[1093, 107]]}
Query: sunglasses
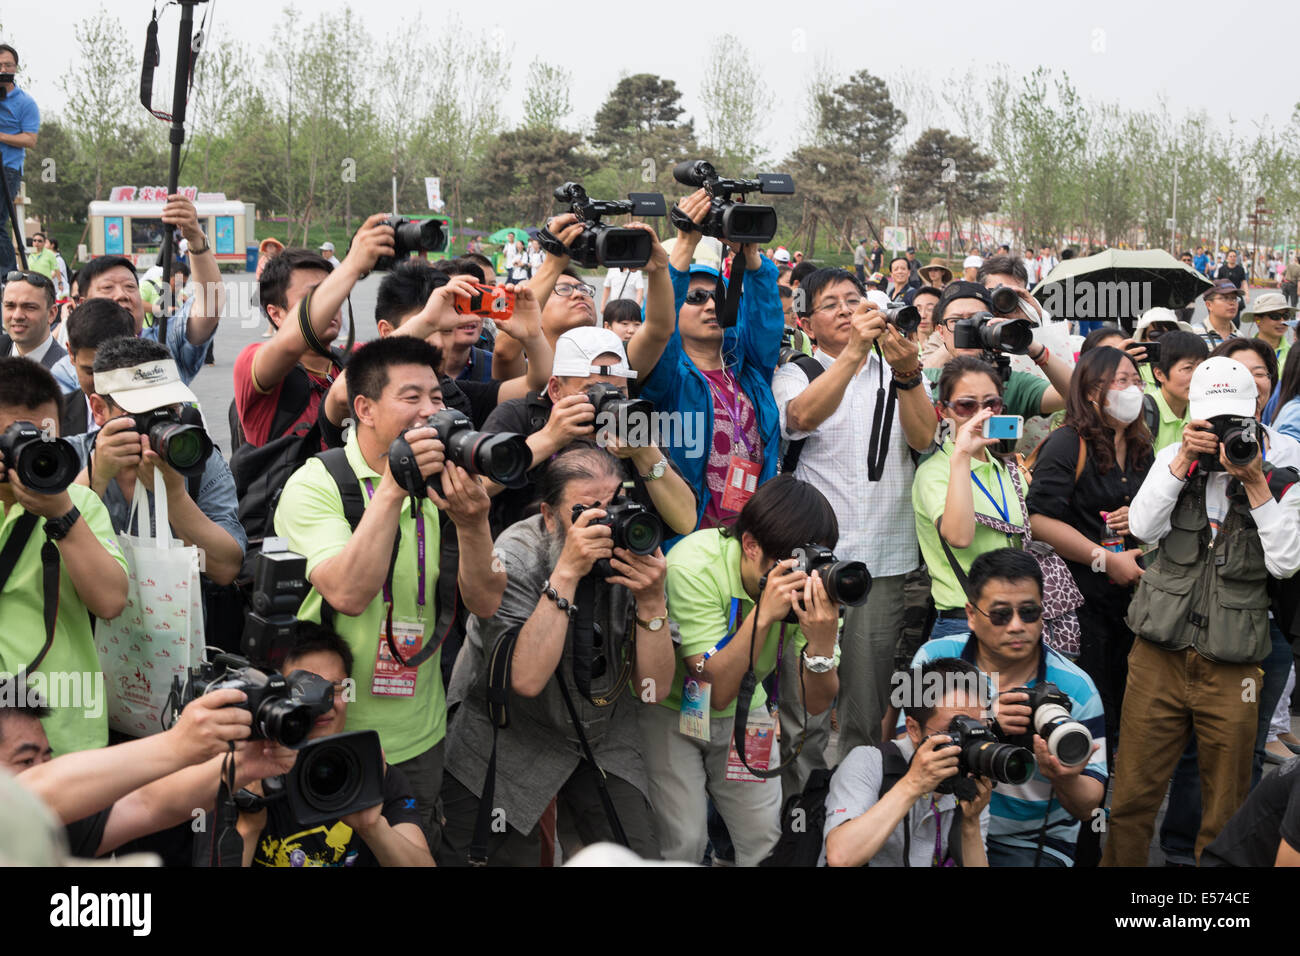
{"points": [[700, 296], [564, 291], [35, 278], [1001, 616], [966, 407]]}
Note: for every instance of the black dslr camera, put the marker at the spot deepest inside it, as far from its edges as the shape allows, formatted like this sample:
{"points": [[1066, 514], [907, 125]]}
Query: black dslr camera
{"points": [[179, 439], [1012, 337], [983, 755], [846, 582], [335, 776], [635, 528], [283, 709], [906, 318], [727, 219], [279, 586], [45, 464], [503, 457], [1067, 740], [600, 243], [624, 413], [429, 235], [1240, 438]]}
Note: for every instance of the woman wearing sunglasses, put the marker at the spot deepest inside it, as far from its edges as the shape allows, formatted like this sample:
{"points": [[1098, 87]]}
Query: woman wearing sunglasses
{"points": [[967, 500], [1087, 473]]}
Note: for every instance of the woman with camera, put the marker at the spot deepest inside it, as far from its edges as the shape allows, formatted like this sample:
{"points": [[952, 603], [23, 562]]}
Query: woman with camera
{"points": [[740, 601], [967, 501], [1086, 475]]}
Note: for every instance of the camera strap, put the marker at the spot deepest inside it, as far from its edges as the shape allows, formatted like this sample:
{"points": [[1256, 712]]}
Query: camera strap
{"points": [[745, 696], [726, 295], [615, 825], [588, 637], [152, 59], [498, 699], [18, 538], [882, 423]]}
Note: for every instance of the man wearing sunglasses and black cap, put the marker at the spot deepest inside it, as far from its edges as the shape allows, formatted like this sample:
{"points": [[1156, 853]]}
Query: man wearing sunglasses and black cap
{"points": [[1036, 823]]}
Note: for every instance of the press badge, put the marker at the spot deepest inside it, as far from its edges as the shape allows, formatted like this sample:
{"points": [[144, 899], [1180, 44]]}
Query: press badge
{"points": [[742, 480], [392, 678], [760, 738], [694, 721]]}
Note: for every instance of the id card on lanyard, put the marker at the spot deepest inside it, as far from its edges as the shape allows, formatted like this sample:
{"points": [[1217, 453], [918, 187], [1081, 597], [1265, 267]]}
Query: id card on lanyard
{"points": [[696, 691], [400, 638], [742, 473]]}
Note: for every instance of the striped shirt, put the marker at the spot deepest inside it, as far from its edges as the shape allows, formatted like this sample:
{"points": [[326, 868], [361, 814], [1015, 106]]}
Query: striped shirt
{"points": [[1017, 813]]}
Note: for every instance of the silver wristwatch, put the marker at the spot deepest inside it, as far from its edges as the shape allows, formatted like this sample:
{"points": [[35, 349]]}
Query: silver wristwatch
{"points": [[657, 470], [817, 665]]}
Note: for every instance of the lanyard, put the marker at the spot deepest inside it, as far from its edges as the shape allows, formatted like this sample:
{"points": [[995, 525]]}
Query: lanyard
{"points": [[1004, 512], [734, 409], [732, 617], [938, 859], [419, 553]]}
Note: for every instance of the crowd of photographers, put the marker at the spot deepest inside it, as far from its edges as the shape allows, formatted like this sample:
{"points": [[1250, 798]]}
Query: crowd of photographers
{"points": [[522, 576]]}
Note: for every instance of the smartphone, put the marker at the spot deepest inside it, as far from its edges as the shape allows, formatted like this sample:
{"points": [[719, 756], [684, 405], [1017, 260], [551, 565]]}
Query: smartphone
{"points": [[1009, 427], [1153, 352], [496, 302]]}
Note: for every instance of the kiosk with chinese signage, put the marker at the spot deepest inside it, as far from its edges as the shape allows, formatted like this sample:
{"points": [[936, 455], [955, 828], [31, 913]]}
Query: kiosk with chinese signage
{"points": [[130, 224]]}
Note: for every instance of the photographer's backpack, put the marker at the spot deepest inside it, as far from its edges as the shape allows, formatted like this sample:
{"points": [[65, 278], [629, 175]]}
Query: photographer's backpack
{"points": [[791, 450], [803, 818]]}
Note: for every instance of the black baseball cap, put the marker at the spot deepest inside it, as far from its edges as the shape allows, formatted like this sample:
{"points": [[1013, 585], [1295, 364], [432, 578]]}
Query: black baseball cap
{"points": [[961, 289]]}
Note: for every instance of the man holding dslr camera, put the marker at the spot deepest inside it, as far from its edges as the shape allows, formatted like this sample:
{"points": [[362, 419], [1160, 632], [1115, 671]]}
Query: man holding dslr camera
{"points": [[581, 640], [1224, 507], [913, 821], [378, 582], [386, 834], [1034, 822]]}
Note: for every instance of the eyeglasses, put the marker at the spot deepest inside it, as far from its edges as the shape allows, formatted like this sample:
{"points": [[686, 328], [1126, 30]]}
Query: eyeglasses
{"points": [[700, 296], [1001, 616], [35, 278], [966, 407], [564, 291], [833, 306]]}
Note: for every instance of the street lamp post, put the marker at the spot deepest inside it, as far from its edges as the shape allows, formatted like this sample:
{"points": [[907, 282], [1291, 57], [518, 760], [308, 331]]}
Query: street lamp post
{"points": [[897, 189]]}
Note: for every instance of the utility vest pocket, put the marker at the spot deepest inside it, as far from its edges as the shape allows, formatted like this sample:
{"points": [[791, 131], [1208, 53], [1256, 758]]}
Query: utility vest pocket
{"points": [[1161, 607]]}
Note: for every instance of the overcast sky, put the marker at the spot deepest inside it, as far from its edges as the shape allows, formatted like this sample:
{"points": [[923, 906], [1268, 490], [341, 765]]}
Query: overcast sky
{"points": [[1232, 59]]}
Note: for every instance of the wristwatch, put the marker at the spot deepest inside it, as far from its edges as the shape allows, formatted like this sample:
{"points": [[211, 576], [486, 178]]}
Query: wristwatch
{"points": [[655, 624], [656, 470], [817, 665], [195, 251], [56, 529]]}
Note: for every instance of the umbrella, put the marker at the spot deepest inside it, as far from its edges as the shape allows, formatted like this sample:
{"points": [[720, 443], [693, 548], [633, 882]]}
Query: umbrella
{"points": [[520, 233], [1119, 285]]}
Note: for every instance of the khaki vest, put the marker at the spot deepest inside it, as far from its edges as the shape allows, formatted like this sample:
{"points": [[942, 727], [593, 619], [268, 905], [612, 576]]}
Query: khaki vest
{"points": [[1211, 595]]}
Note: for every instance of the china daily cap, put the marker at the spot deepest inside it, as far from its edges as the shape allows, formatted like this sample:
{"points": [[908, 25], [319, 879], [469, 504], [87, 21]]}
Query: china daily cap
{"points": [[576, 352], [1222, 386], [142, 388]]}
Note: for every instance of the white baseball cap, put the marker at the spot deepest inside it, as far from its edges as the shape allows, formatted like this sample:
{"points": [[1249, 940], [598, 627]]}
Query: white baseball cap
{"points": [[142, 388], [327, 246], [972, 262], [576, 352], [878, 298], [1222, 386], [782, 254], [1161, 314]]}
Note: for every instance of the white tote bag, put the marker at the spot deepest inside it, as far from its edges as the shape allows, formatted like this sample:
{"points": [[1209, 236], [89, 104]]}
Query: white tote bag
{"points": [[160, 634]]}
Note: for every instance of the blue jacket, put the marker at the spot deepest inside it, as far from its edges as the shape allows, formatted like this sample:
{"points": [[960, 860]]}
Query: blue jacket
{"points": [[751, 350]]}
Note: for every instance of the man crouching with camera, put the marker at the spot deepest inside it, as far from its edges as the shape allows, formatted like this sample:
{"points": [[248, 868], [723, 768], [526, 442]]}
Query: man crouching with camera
{"points": [[376, 583], [546, 690], [386, 834], [897, 805]]}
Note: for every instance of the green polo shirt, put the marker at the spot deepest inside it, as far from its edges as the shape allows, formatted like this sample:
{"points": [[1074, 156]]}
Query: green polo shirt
{"points": [[22, 631], [1283, 351], [929, 497], [1171, 427], [703, 577], [1023, 394], [45, 262], [310, 517]]}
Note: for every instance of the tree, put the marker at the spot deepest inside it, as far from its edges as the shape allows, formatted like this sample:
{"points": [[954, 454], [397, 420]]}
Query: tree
{"points": [[943, 169], [860, 116], [639, 132], [546, 97], [521, 169], [737, 103], [99, 105]]}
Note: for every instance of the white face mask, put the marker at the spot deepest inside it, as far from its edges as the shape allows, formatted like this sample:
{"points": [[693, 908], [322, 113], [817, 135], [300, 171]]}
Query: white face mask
{"points": [[1125, 404]]}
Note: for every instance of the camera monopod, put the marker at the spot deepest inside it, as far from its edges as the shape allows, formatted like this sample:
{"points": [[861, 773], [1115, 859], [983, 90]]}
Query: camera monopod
{"points": [[188, 45], [15, 224]]}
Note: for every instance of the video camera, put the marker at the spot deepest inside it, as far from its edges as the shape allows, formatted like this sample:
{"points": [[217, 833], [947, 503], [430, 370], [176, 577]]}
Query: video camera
{"points": [[1067, 740], [846, 582], [635, 528], [727, 219], [429, 235], [279, 586], [1240, 438], [179, 439], [45, 464], [600, 243], [983, 755], [503, 457], [332, 777], [610, 400], [283, 708]]}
